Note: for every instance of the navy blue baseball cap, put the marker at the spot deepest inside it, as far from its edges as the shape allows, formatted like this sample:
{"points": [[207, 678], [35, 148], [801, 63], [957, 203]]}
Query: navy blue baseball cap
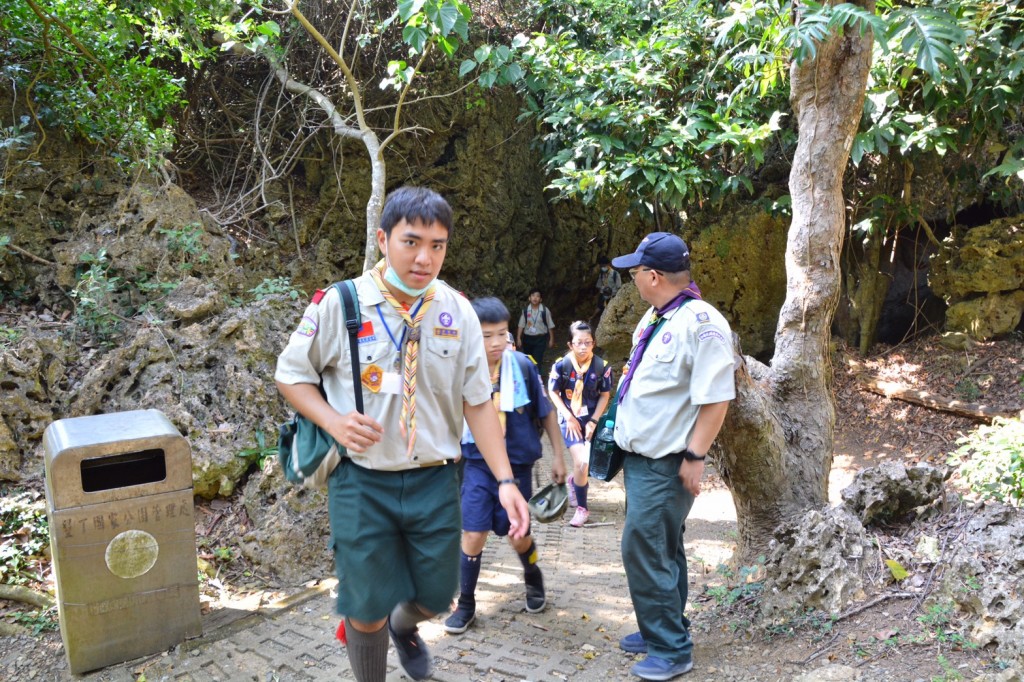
{"points": [[658, 251]]}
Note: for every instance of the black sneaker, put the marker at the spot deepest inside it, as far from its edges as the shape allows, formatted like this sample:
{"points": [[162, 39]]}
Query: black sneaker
{"points": [[460, 620], [413, 657], [535, 599]]}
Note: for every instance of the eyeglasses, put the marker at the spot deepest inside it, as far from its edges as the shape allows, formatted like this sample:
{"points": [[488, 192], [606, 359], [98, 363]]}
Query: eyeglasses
{"points": [[583, 344], [632, 273]]}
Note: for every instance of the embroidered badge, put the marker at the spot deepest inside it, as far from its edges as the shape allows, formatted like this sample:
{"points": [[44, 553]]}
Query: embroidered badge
{"points": [[710, 334], [703, 317], [666, 337], [446, 333], [319, 295], [446, 319], [307, 327], [608, 372], [372, 377], [568, 393], [366, 334]]}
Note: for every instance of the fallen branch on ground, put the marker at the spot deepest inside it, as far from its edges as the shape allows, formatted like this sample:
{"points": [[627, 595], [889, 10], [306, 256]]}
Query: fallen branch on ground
{"points": [[891, 389]]}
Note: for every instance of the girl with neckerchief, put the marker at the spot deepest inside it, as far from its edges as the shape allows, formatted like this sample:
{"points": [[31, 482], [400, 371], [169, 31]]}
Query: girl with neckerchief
{"points": [[580, 387]]}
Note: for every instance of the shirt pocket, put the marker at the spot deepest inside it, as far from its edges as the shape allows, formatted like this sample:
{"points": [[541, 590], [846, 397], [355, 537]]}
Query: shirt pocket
{"points": [[661, 352], [442, 358], [380, 353]]}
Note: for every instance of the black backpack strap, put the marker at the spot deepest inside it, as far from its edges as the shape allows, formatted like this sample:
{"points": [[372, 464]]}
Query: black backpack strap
{"points": [[353, 321]]}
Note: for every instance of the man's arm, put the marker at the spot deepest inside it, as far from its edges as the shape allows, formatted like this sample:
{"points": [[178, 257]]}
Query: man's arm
{"points": [[709, 423], [356, 432], [486, 429], [558, 471]]}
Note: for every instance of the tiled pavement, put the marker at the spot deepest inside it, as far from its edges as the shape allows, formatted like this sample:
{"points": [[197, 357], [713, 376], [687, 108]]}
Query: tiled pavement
{"points": [[574, 638]]}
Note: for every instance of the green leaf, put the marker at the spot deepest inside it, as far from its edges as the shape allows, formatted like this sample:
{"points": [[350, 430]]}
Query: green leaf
{"points": [[407, 8], [466, 66], [897, 570]]}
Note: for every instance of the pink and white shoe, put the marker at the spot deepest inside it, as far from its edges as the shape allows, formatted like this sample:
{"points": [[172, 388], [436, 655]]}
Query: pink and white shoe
{"points": [[580, 517], [572, 493]]}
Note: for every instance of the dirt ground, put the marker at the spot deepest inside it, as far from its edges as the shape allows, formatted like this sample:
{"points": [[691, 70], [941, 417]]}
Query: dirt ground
{"points": [[882, 638]]}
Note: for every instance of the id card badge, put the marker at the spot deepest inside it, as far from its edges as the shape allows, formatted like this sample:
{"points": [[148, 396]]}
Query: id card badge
{"points": [[584, 411], [392, 383]]}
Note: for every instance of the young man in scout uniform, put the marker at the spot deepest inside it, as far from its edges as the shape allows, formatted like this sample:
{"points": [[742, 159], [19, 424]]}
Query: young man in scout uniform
{"points": [[519, 395], [393, 503], [535, 332], [672, 401]]}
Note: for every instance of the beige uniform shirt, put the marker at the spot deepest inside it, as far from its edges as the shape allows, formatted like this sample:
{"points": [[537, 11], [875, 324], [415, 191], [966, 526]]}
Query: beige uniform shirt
{"points": [[688, 363], [452, 368]]}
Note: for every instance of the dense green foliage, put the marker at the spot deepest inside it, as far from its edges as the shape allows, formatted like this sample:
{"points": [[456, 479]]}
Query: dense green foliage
{"points": [[111, 72], [676, 102], [634, 97], [991, 460]]}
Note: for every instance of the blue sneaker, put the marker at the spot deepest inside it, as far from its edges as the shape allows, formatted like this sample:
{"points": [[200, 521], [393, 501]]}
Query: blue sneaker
{"points": [[654, 668], [633, 643]]}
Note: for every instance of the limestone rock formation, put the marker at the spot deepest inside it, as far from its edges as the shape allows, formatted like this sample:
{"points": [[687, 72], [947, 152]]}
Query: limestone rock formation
{"points": [[891, 491], [818, 562], [981, 276], [984, 576]]}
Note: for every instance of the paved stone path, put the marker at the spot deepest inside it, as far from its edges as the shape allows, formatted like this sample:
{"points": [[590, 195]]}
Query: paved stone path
{"points": [[574, 638]]}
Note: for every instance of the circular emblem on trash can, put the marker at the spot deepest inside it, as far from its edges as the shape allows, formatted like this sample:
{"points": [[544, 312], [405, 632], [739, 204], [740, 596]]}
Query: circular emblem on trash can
{"points": [[131, 553]]}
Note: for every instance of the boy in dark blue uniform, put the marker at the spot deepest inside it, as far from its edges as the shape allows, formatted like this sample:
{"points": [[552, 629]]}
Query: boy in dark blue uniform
{"points": [[520, 398]]}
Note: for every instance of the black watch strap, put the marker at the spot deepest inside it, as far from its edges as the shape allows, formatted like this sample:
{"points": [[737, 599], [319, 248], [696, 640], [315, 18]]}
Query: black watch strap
{"points": [[691, 456]]}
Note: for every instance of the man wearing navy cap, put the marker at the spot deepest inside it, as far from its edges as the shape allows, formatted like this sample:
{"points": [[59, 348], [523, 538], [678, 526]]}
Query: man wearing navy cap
{"points": [[672, 402]]}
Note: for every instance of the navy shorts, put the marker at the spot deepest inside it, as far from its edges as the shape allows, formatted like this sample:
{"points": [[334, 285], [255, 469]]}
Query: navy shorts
{"points": [[481, 509], [569, 439]]}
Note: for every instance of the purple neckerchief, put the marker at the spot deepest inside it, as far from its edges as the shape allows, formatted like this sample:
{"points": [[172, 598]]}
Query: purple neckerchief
{"points": [[691, 291]]}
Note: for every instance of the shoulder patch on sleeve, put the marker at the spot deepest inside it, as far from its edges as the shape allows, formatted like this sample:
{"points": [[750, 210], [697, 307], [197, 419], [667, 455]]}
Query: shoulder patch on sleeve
{"points": [[318, 296], [710, 333], [703, 317]]}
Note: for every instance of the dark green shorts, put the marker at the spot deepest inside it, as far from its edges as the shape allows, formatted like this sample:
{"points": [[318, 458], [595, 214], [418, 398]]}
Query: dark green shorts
{"points": [[396, 538]]}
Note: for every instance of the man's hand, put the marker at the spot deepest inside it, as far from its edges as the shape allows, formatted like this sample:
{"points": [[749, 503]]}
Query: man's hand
{"points": [[690, 474], [590, 429], [356, 432], [558, 472], [514, 504]]}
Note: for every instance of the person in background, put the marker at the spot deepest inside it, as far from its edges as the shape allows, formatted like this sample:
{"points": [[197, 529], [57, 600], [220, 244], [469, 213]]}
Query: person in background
{"points": [[672, 402], [580, 387], [519, 396], [536, 330], [393, 501], [608, 284]]}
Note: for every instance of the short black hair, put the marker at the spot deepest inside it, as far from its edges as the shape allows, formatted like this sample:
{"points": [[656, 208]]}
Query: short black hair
{"points": [[535, 290], [415, 204], [490, 310], [580, 326], [603, 260]]}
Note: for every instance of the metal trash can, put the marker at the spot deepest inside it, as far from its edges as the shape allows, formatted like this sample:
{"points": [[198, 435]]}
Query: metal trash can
{"points": [[122, 536]]}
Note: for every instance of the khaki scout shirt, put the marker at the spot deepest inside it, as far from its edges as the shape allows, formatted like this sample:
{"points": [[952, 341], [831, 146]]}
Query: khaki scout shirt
{"points": [[688, 363], [452, 368]]}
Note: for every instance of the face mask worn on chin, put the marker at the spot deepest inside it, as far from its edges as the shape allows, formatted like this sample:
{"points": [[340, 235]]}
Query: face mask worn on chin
{"points": [[392, 278]]}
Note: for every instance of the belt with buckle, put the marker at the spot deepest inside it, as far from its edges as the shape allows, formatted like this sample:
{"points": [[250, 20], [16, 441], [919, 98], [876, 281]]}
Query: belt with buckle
{"points": [[441, 463]]}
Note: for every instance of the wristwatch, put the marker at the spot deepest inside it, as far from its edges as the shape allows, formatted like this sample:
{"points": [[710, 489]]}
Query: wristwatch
{"points": [[691, 456]]}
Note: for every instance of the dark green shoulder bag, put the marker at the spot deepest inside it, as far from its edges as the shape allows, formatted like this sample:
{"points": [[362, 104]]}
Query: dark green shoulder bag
{"points": [[307, 453]]}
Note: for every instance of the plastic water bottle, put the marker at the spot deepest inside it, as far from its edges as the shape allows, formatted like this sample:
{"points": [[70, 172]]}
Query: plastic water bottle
{"points": [[602, 450]]}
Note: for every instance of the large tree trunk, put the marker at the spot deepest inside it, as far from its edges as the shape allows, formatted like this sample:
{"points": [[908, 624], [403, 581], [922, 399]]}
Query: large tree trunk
{"points": [[775, 450]]}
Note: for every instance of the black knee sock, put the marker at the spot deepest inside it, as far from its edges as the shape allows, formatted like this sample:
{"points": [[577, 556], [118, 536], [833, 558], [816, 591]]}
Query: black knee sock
{"points": [[405, 616], [367, 653], [529, 560], [469, 574], [581, 494]]}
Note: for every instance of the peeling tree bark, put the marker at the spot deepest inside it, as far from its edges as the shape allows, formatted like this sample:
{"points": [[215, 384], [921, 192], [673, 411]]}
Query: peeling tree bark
{"points": [[775, 450]]}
